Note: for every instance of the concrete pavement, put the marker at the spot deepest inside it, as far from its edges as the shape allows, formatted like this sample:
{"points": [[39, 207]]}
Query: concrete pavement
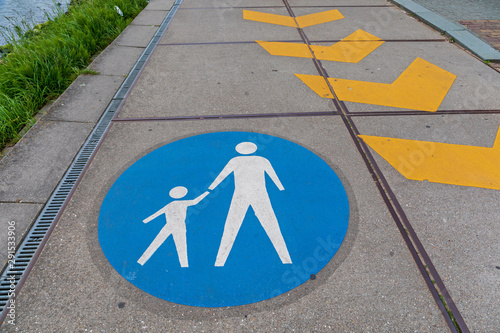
{"points": [[409, 244]]}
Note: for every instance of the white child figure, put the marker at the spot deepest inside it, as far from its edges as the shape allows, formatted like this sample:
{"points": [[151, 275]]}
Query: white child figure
{"points": [[175, 214]]}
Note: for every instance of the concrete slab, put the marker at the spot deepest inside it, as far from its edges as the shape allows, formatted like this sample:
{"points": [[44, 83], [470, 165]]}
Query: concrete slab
{"points": [[160, 5], [371, 285], [136, 36], [19, 217], [34, 158], [385, 23], [221, 79], [231, 3], [457, 225], [475, 87], [150, 17], [466, 129], [116, 60], [343, 3], [85, 99], [225, 25]]}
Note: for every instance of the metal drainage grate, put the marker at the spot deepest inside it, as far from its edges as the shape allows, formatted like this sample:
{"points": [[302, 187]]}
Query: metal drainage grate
{"points": [[39, 232]]}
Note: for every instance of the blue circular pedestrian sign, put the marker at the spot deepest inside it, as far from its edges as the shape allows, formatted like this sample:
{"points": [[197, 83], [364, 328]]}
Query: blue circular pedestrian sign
{"points": [[223, 219]]}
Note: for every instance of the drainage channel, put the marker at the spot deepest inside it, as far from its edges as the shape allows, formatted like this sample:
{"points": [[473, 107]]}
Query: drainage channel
{"points": [[17, 270]]}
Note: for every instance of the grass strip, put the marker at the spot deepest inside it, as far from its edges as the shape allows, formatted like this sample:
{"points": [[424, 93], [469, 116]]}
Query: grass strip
{"points": [[42, 62]]}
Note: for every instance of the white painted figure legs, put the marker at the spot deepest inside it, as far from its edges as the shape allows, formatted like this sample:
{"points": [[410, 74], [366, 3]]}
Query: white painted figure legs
{"points": [[250, 190], [180, 244], [175, 214], [265, 214]]}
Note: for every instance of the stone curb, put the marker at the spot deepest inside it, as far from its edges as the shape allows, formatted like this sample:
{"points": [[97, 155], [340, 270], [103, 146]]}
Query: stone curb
{"points": [[459, 33]]}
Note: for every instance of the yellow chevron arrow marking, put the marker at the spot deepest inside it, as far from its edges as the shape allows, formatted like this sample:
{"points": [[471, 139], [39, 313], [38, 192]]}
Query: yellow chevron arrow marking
{"points": [[317, 84], [269, 18], [422, 86], [441, 162], [318, 18], [351, 49], [302, 21], [286, 49]]}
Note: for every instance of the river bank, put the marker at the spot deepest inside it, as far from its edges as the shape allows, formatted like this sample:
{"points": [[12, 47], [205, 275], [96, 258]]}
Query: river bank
{"points": [[44, 62], [14, 12]]}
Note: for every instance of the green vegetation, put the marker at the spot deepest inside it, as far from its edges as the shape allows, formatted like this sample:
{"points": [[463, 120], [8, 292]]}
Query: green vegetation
{"points": [[41, 61], [450, 314]]}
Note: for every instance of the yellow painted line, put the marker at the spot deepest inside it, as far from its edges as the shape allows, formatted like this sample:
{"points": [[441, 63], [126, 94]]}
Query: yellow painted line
{"points": [[318, 18], [302, 21], [422, 86], [286, 49], [441, 162], [351, 49], [317, 84], [269, 18]]}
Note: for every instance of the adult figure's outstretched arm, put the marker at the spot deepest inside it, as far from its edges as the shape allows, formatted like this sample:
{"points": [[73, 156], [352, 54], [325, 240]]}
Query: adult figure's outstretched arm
{"points": [[270, 171], [222, 175]]}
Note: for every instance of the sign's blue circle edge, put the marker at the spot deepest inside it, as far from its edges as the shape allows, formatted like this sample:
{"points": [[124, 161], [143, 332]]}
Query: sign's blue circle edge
{"points": [[264, 141]]}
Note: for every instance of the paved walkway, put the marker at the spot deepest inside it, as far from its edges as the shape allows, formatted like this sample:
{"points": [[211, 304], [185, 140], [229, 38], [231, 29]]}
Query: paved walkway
{"points": [[463, 9], [406, 120]]}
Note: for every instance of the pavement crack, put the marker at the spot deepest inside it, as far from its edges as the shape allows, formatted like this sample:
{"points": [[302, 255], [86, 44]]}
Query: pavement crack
{"points": [[20, 201]]}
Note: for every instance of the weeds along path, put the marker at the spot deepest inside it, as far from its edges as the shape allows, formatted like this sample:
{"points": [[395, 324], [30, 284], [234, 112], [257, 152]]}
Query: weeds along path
{"points": [[40, 62]]}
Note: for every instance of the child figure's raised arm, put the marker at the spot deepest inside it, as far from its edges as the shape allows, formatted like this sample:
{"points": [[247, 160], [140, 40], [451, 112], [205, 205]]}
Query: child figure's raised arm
{"points": [[155, 215], [197, 200]]}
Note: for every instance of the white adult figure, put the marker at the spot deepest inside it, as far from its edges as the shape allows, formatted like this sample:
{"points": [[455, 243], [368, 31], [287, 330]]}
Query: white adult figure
{"points": [[175, 213], [250, 190]]}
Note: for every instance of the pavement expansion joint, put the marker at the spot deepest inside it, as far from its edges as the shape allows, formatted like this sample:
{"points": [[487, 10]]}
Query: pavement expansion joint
{"points": [[306, 6], [420, 256], [230, 116], [342, 6], [382, 39], [300, 41], [22, 202], [220, 43], [382, 113], [219, 8], [70, 121], [131, 46]]}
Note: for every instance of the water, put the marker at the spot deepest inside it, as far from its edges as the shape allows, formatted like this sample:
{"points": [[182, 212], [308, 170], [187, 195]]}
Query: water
{"points": [[30, 10]]}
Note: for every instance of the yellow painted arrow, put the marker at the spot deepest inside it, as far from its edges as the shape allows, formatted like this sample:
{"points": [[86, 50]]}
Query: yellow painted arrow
{"points": [[441, 162], [422, 86], [351, 49], [297, 22]]}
